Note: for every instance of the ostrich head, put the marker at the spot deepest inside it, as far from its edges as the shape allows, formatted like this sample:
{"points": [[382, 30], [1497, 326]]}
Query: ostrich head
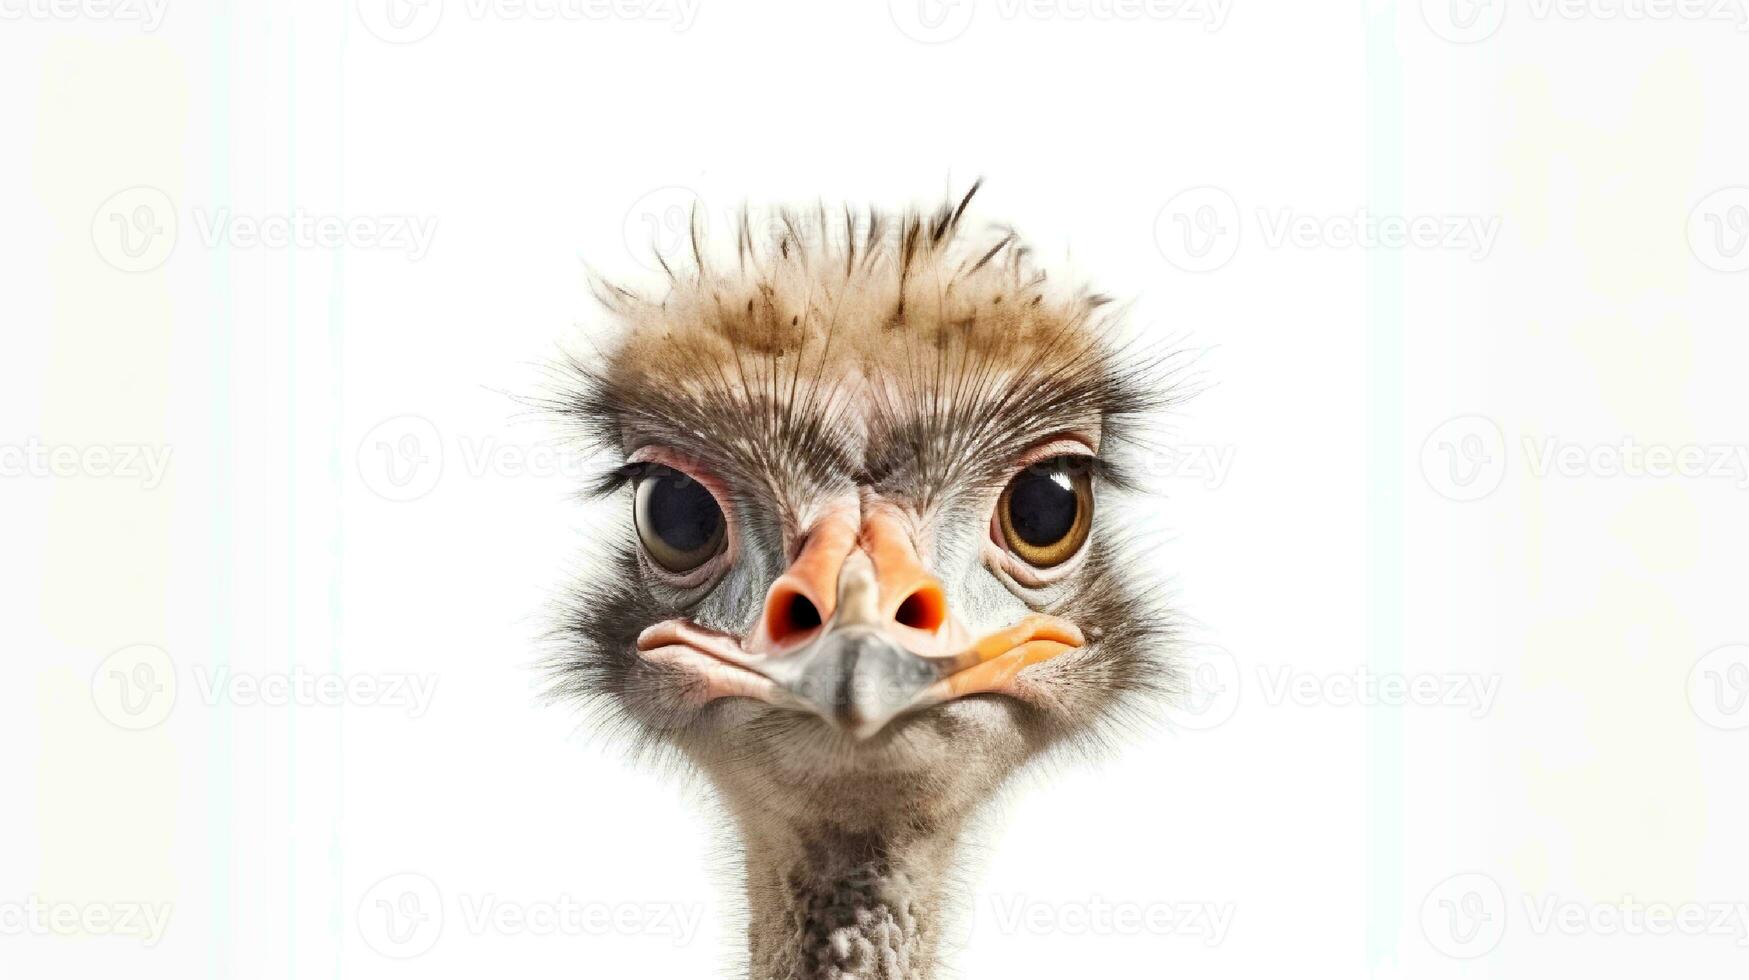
{"points": [[868, 567]]}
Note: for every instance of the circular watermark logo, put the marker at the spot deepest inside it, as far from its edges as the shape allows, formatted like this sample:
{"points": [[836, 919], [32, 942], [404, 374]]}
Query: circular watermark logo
{"points": [[135, 687], [932, 21], [956, 930], [1718, 230], [401, 916], [1464, 458], [134, 230], [1212, 692], [400, 21], [401, 458], [1464, 916], [658, 226], [1198, 229], [1464, 21], [1718, 688]]}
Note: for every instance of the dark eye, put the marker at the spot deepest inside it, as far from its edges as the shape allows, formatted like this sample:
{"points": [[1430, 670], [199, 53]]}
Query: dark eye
{"points": [[678, 520], [1047, 510]]}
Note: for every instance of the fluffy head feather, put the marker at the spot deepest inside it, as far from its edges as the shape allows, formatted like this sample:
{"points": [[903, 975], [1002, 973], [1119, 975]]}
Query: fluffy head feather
{"points": [[903, 358]]}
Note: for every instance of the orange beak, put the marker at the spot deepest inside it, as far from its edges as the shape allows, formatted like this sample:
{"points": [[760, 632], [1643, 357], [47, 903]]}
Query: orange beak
{"points": [[857, 631]]}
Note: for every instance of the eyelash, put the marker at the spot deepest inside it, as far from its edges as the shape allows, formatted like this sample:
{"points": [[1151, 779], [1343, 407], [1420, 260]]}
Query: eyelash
{"points": [[623, 475]]}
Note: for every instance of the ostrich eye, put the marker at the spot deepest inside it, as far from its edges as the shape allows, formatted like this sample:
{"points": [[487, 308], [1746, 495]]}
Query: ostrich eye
{"points": [[678, 520], [1047, 510]]}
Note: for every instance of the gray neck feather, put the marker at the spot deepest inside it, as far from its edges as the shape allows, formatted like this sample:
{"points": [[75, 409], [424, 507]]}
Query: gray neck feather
{"points": [[832, 904]]}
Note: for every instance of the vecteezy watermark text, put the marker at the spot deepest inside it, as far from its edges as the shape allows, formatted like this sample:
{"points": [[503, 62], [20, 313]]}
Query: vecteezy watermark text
{"points": [[34, 458], [137, 229], [137, 686], [35, 916], [1469, 21], [1466, 915], [940, 21], [149, 14], [299, 228], [1215, 685], [1200, 229], [315, 689], [403, 916], [1207, 921], [1467, 458], [408, 21], [405, 457], [1474, 693]]}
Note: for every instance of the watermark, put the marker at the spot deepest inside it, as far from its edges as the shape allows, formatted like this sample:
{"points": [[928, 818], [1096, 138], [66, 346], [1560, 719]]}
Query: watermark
{"points": [[410, 693], [1473, 235], [1215, 685], [1469, 21], [1465, 916], [404, 458], [661, 226], [1718, 688], [1208, 465], [137, 686], [1207, 922], [1718, 230], [401, 916], [136, 230], [408, 21], [564, 915], [144, 463], [1550, 457], [1466, 459], [303, 229], [1364, 687], [1629, 916], [1200, 229], [404, 915], [149, 14], [940, 21], [401, 458], [36, 916]]}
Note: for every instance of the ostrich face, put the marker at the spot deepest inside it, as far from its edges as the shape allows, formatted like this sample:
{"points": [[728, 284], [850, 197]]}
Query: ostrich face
{"points": [[868, 562]]}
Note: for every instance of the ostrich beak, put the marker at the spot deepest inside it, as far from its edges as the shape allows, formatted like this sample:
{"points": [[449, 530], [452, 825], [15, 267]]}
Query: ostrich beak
{"points": [[891, 645], [860, 670], [858, 679], [888, 643]]}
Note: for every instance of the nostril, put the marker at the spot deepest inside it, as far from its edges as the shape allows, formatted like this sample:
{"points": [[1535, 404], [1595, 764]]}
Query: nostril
{"points": [[802, 613], [924, 609], [791, 614]]}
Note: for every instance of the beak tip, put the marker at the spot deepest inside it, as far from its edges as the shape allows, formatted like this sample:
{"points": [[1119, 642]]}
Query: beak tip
{"points": [[859, 681]]}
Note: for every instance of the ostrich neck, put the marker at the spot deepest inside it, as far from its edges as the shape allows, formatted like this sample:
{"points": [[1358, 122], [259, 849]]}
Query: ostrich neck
{"points": [[831, 904]]}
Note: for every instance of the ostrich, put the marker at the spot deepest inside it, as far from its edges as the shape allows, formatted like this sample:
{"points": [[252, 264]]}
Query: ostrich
{"points": [[868, 570]]}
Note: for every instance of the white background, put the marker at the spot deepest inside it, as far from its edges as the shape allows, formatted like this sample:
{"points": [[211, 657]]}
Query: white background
{"points": [[348, 492]]}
